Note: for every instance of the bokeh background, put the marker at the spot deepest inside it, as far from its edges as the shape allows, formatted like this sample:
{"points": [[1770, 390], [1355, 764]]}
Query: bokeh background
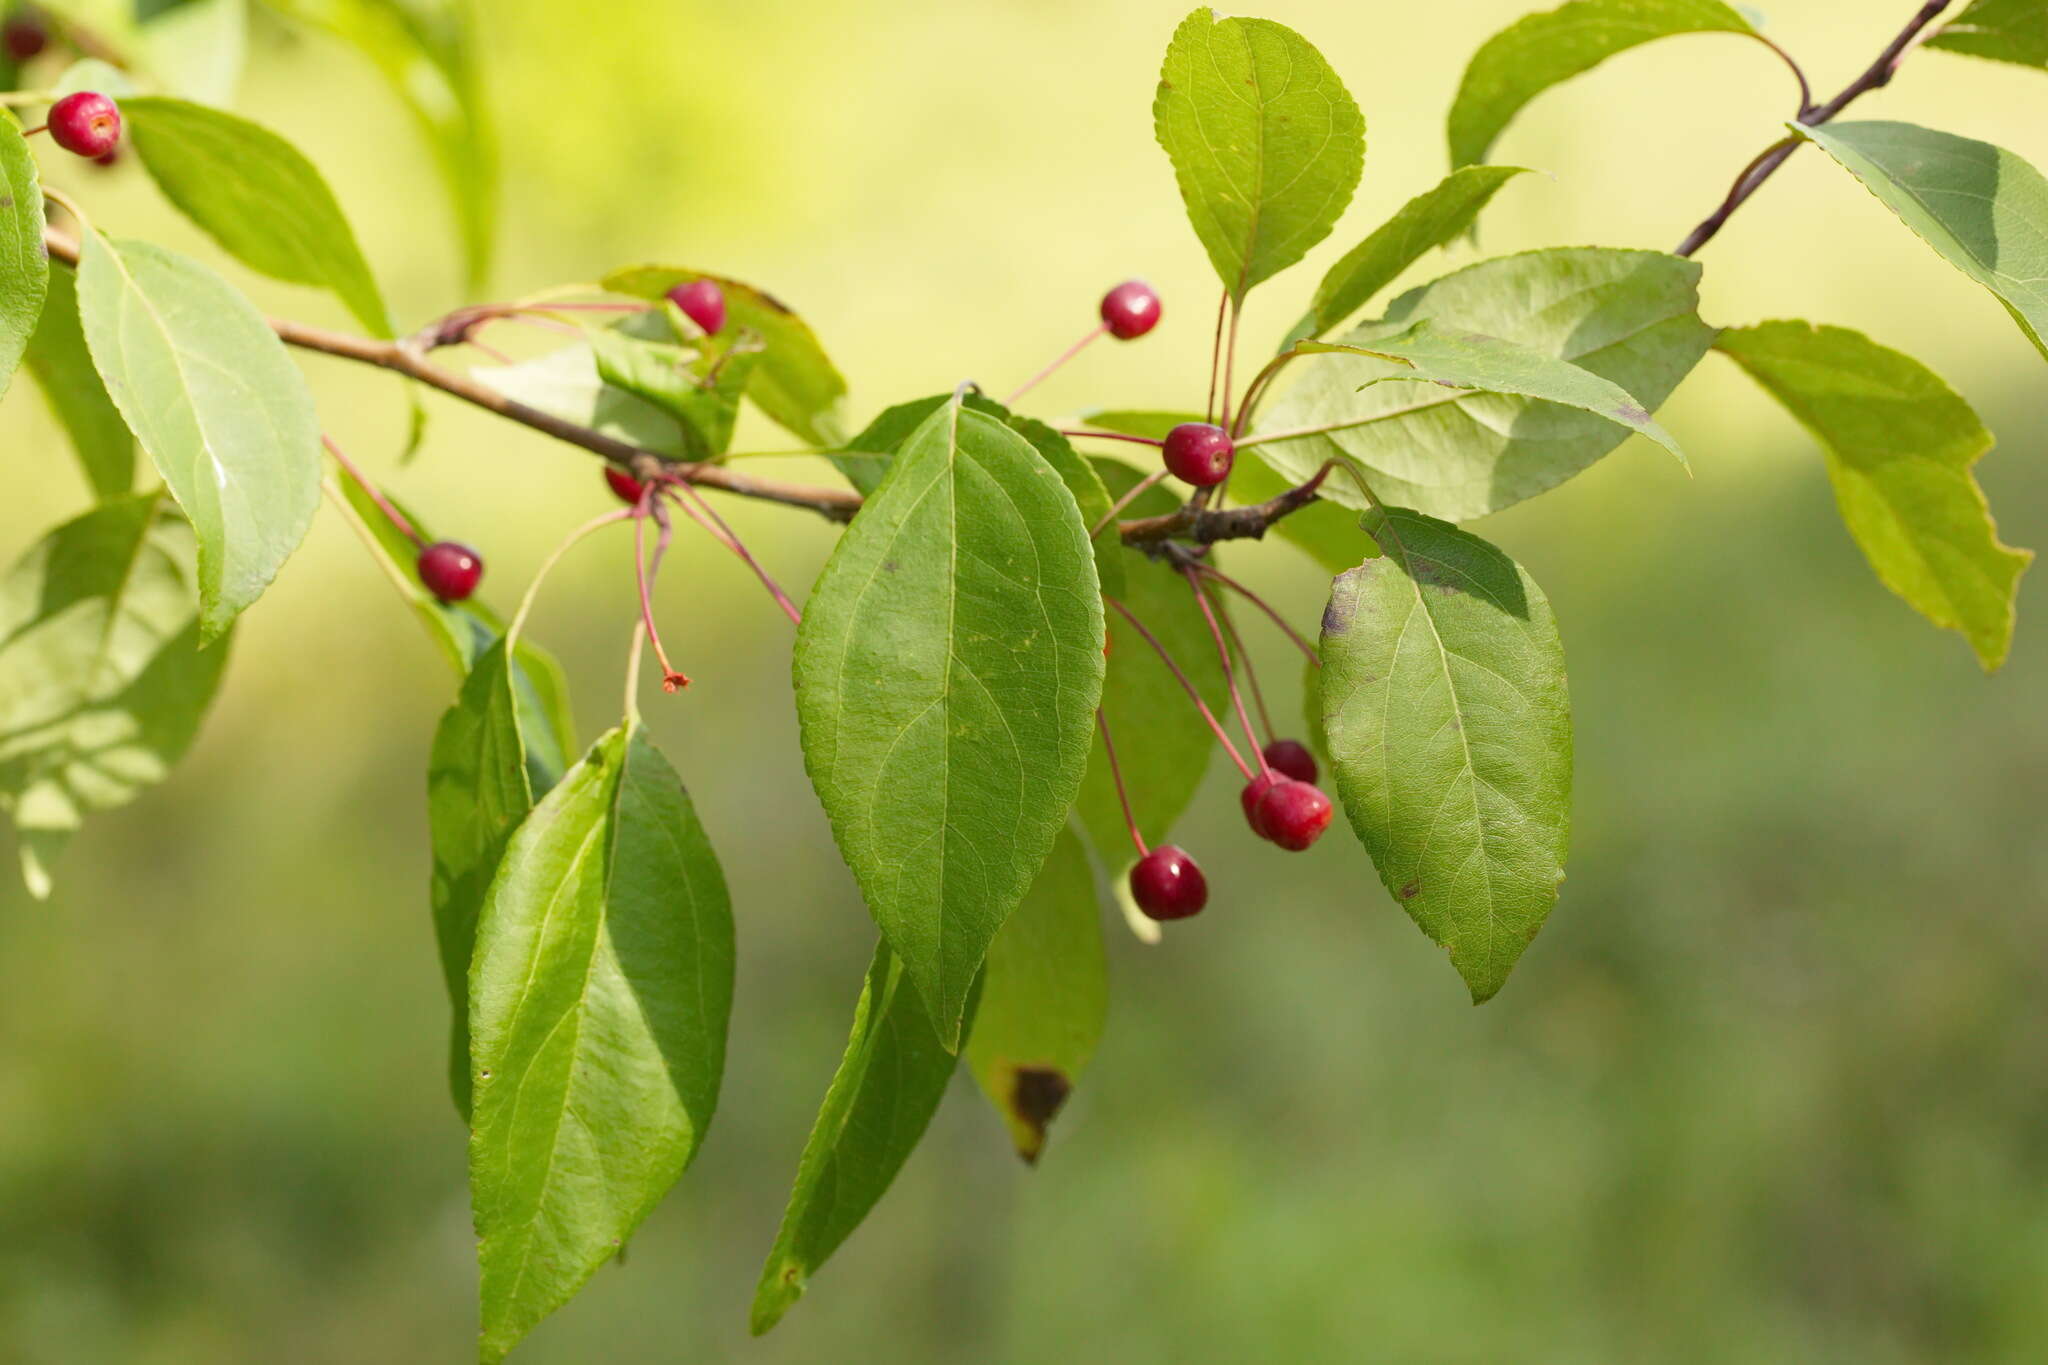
{"points": [[1770, 1086]]}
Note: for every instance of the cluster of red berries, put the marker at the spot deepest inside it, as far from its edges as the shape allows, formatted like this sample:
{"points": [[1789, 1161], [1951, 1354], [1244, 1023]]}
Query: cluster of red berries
{"points": [[1282, 804]]}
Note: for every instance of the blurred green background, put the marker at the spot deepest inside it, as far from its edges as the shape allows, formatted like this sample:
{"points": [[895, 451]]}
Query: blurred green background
{"points": [[1770, 1086]]}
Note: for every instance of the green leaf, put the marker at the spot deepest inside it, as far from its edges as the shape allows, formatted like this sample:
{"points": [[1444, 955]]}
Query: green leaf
{"points": [[1899, 444], [1162, 743], [102, 681], [427, 56], [566, 384], [1486, 364], [865, 459], [697, 386], [1425, 222], [881, 1099], [1629, 317], [599, 996], [1043, 1000], [1091, 497], [1528, 57], [2002, 30], [256, 195], [58, 358], [1266, 144], [947, 672], [466, 631], [24, 264], [196, 47], [1982, 208], [478, 791], [796, 383], [1450, 737], [205, 386]]}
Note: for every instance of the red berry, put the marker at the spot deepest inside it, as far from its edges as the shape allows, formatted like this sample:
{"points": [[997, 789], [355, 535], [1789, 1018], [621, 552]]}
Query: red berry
{"points": [[1199, 453], [703, 302], [628, 488], [1249, 798], [23, 36], [450, 570], [1292, 814], [1130, 310], [1168, 885], [86, 123], [110, 157], [1292, 758]]}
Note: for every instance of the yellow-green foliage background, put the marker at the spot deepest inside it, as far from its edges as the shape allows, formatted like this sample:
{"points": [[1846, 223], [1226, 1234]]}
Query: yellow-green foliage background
{"points": [[1770, 1087]]}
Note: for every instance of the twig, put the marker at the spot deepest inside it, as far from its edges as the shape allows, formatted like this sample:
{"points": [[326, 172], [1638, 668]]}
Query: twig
{"points": [[408, 358], [1877, 75], [1250, 522]]}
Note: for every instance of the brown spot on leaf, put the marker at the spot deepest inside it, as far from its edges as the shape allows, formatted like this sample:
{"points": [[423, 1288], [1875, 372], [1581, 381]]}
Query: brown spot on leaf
{"points": [[1343, 604], [1036, 1095], [1633, 412], [1410, 891]]}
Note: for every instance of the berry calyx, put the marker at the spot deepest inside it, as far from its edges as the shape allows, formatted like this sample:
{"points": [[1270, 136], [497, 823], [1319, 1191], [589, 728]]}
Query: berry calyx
{"points": [[86, 123], [450, 570], [1199, 453], [23, 36], [702, 302], [1167, 884], [1292, 814], [1291, 758], [1254, 791], [627, 488], [1130, 310]]}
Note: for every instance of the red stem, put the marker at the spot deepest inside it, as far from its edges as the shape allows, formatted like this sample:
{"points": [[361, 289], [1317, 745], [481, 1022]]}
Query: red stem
{"points": [[1116, 436], [1117, 772], [1229, 366], [1251, 674], [1137, 490], [1063, 357], [1216, 357], [671, 680], [1186, 686], [384, 504], [1241, 590], [1229, 674], [702, 511]]}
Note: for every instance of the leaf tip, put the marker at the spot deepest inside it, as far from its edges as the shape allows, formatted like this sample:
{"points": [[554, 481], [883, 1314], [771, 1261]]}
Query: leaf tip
{"points": [[1035, 1095], [781, 1286]]}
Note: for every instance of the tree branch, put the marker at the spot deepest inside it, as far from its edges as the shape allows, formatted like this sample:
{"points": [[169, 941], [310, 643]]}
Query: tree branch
{"points": [[407, 358], [1877, 75], [1205, 526], [1194, 522]]}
